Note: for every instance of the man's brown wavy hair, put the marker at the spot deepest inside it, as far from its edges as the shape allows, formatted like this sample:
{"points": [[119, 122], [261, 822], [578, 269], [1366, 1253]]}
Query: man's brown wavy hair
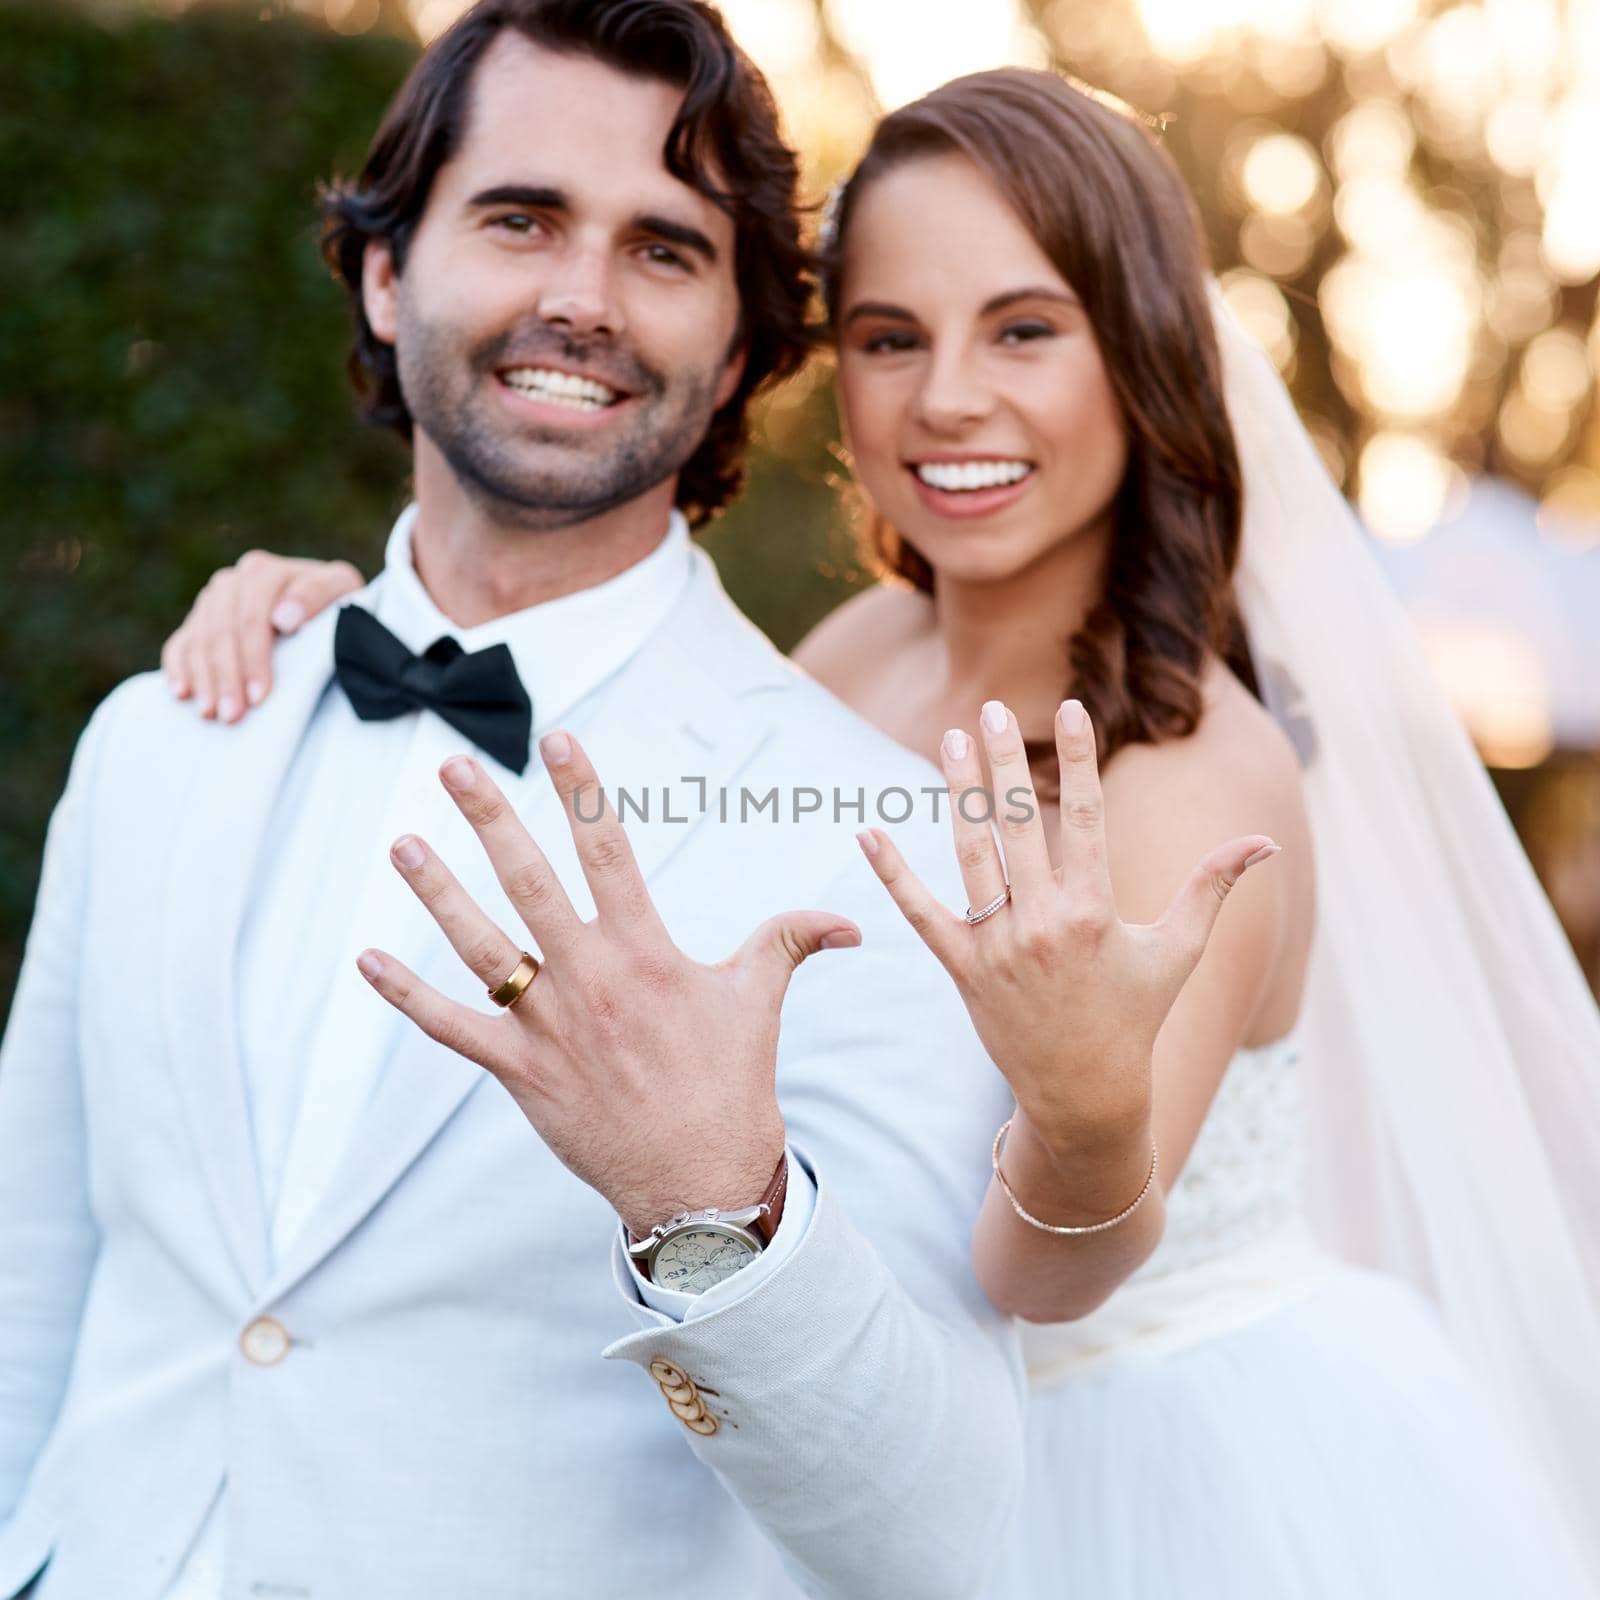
{"points": [[726, 143], [1109, 209]]}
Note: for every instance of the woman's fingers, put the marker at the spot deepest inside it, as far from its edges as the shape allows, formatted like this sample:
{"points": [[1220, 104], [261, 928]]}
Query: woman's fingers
{"points": [[457, 1027], [1085, 873], [1028, 868], [481, 943], [971, 814], [944, 933], [211, 606], [530, 882], [227, 674], [1193, 912], [263, 579], [175, 664], [205, 650], [186, 657], [221, 656], [312, 588]]}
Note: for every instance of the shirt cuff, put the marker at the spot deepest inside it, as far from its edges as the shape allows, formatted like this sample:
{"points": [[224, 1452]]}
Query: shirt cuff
{"points": [[672, 1305]]}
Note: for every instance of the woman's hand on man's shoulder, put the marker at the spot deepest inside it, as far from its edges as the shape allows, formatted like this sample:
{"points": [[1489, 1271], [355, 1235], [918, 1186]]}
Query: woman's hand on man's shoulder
{"points": [[221, 655]]}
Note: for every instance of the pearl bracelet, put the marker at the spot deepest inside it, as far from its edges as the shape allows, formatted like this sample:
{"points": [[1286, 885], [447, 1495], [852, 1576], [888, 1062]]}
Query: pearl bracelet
{"points": [[1050, 1227]]}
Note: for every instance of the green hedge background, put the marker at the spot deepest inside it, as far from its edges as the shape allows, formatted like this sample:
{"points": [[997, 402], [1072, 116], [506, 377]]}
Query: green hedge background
{"points": [[171, 368]]}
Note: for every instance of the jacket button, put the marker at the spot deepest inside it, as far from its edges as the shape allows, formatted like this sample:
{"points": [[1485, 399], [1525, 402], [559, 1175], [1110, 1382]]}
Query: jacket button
{"points": [[704, 1425], [665, 1373], [265, 1342]]}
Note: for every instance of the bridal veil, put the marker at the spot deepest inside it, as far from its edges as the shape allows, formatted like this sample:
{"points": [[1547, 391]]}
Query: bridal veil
{"points": [[1451, 1042]]}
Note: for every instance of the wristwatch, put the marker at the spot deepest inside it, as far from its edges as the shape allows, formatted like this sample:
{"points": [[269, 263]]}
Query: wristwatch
{"points": [[696, 1249]]}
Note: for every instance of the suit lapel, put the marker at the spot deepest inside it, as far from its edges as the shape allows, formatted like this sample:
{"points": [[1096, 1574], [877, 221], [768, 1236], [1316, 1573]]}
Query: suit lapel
{"points": [[234, 780], [666, 715]]}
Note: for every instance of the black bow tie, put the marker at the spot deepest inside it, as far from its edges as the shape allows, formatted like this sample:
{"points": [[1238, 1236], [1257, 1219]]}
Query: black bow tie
{"points": [[478, 694]]}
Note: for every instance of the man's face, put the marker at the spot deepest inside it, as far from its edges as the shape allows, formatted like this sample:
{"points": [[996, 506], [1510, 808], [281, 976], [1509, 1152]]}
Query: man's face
{"points": [[565, 321]]}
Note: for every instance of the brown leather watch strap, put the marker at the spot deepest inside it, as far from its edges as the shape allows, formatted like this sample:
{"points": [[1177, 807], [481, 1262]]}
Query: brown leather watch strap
{"points": [[767, 1224]]}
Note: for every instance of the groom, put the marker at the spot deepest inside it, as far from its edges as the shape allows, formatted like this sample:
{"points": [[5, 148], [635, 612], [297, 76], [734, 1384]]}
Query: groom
{"points": [[294, 1300]]}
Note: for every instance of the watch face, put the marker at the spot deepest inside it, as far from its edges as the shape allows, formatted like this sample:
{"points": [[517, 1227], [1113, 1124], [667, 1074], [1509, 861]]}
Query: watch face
{"points": [[698, 1257]]}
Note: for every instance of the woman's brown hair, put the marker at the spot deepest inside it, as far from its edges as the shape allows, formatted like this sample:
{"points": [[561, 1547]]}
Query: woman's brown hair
{"points": [[1110, 210], [726, 143]]}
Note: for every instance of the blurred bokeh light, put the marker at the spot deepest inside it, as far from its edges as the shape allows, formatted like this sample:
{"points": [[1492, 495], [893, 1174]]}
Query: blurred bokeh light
{"points": [[1402, 202]]}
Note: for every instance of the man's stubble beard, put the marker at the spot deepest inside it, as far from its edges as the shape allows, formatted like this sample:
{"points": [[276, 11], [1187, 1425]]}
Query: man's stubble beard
{"points": [[546, 479]]}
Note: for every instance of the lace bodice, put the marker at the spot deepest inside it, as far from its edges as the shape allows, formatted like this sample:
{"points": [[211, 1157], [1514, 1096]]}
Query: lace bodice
{"points": [[1245, 1175]]}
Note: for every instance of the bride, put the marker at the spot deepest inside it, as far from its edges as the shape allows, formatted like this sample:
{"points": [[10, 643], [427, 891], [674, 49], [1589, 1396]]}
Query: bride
{"points": [[1329, 1328]]}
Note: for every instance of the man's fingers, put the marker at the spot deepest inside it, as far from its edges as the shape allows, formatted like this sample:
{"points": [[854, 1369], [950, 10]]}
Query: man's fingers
{"points": [[1016, 809], [530, 882], [1085, 873], [469, 1033], [485, 947], [944, 933], [1193, 912], [781, 943], [620, 896]]}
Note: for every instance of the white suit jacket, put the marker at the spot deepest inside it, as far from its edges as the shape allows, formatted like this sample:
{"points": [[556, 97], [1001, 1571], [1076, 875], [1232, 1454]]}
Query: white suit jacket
{"points": [[441, 1423]]}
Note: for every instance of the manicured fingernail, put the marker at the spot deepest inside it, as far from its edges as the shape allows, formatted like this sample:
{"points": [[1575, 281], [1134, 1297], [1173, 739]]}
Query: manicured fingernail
{"points": [[1073, 717], [369, 963], [841, 939], [255, 692], [227, 708], [868, 841], [956, 743], [408, 852], [994, 716], [1265, 853], [287, 615], [460, 773], [556, 749]]}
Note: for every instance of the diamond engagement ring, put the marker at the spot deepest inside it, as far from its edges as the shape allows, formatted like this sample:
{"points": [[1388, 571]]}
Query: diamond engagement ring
{"points": [[989, 910]]}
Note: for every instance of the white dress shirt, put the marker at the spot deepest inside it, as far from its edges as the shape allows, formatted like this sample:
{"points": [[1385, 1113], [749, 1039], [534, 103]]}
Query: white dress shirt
{"points": [[326, 890]]}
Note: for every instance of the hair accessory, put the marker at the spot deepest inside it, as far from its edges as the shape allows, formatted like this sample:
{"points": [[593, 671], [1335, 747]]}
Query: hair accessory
{"points": [[828, 229]]}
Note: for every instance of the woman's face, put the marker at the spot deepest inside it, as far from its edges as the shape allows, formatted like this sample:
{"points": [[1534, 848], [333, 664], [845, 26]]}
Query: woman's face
{"points": [[975, 402]]}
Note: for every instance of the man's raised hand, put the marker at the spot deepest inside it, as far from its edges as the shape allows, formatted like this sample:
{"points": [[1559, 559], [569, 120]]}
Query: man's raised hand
{"points": [[651, 1076]]}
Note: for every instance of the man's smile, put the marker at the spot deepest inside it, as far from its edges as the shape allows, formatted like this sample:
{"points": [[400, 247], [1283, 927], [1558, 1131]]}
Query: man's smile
{"points": [[556, 387]]}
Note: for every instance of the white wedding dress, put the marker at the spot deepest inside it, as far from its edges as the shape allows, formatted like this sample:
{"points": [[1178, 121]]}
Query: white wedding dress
{"points": [[1250, 1418]]}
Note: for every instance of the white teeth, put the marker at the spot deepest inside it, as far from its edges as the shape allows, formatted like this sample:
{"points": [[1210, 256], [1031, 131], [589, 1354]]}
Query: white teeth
{"points": [[560, 388], [957, 476]]}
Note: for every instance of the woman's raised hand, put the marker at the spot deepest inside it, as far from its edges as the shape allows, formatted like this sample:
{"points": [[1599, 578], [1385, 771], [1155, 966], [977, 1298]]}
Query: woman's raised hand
{"points": [[221, 656], [1067, 997]]}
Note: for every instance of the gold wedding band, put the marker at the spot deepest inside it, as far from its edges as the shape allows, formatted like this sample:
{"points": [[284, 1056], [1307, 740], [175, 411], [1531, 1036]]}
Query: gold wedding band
{"points": [[511, 990]]}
